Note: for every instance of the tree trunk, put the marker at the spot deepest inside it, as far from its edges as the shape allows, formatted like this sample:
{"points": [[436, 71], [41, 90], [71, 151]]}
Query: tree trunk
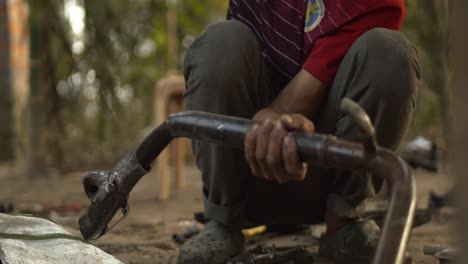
{"points": [[6, 98], [53, 129], [19, 40], [45, 133], [34, 165], [459, 61]]}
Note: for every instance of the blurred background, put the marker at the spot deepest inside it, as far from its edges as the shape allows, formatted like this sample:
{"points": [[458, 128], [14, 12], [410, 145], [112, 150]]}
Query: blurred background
{"points": [[78, 77], [77, 82]]}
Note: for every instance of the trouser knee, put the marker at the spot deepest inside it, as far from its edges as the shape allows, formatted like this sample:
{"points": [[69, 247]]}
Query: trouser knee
{"points": [[392, 63], [225, 53]]}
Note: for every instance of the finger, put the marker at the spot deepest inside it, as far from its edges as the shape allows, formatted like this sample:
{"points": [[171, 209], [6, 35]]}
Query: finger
{"points": [[262, 147], [295, 168], [297, 122], [274, 153], [249, 149]]}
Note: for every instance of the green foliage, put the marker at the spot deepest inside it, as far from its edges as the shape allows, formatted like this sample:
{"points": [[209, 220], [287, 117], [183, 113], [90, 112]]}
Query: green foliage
{"points": [[106, 88], [426, 27]]}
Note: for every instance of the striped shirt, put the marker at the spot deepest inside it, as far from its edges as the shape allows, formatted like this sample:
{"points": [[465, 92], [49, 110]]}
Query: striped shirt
{"points": [[312, 34]]}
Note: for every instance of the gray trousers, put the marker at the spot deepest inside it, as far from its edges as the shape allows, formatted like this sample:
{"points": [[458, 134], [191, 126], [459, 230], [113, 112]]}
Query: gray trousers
{"points": [[225, 74]]}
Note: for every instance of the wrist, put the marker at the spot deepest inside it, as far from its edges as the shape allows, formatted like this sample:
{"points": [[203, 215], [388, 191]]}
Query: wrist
{"points": [[265, 113]]}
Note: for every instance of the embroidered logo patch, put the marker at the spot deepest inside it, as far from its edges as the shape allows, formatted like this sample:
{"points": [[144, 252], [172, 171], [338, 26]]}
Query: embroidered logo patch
{"points": [[314, 14]]}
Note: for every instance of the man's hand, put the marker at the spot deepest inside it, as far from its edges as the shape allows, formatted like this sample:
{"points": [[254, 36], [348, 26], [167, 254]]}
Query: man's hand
{"points": [[270, 152]]}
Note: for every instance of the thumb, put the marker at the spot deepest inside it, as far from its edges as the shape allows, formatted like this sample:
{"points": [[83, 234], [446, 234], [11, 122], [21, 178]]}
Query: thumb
{"points": [[297, 122]]}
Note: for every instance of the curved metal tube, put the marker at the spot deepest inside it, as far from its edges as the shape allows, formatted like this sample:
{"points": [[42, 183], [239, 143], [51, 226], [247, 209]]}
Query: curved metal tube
{"points": [[400, 212], [320, 150]]}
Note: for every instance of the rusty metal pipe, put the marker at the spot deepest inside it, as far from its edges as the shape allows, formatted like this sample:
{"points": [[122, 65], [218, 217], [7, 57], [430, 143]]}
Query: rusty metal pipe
{"points": [[319, 150]]}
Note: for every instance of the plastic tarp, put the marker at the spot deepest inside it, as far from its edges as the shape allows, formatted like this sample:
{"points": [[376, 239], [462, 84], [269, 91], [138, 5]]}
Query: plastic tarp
{"points": [[28, 240]]}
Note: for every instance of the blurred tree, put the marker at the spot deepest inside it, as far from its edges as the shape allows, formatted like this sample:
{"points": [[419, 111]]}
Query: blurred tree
{"points": [[51, 60], [14, 87], [459, 150], [6, 98], [18, 14]]}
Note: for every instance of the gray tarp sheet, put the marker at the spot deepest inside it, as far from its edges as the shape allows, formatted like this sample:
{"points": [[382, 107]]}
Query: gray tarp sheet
{"points": [[32, 240]]}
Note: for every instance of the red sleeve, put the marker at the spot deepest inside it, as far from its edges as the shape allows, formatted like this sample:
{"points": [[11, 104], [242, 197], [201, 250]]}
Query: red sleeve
{"points": [[328, 51]]}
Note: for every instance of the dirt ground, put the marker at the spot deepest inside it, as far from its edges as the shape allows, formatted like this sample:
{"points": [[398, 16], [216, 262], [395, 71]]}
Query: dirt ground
{"points": [[145, 235]]}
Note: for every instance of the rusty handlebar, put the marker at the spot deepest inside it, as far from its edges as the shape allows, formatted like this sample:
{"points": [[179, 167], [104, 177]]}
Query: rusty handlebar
{"points": [[318, 150]]}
